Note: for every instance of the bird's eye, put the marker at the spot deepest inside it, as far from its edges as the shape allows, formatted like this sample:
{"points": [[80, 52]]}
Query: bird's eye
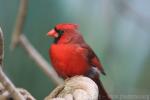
{"points": [[59, 31]]}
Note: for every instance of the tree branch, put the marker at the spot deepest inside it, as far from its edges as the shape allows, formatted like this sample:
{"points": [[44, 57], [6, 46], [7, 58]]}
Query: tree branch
{"points": [[3, 78], [9, 86], [1, 46], [33, 53], [5, 95], [75, 88], [41, 62], [19, 23]]}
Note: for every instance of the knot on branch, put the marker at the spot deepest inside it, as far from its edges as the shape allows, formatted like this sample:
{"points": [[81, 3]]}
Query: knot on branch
{"points": [[75, 88]]}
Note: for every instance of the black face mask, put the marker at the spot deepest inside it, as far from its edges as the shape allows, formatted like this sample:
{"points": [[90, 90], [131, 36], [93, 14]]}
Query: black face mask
{"points": [[60, 32]]}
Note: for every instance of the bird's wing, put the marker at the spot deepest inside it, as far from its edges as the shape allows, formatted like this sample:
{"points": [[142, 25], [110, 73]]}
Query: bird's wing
{"points": [[92, 58]]}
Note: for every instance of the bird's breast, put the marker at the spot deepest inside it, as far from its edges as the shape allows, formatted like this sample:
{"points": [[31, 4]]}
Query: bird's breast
{"points": [[69, 59]]}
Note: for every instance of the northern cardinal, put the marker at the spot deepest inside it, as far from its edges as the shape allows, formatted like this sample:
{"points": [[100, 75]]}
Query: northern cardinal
{"points": [[70, 55]]}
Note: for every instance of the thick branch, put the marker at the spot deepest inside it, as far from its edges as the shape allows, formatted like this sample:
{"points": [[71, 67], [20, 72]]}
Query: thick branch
{"points": [[19, 23], [75, 88], [33, 53]]}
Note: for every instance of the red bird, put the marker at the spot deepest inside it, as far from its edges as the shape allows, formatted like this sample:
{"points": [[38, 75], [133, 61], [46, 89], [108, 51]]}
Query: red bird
{"points": [[70, 55]]}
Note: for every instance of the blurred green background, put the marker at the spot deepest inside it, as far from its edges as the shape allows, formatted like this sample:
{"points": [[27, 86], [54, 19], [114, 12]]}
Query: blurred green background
{"points": [[117, 30]]}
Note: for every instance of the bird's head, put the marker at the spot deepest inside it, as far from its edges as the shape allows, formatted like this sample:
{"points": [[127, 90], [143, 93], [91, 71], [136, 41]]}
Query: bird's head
{"points": [[60, 29]]}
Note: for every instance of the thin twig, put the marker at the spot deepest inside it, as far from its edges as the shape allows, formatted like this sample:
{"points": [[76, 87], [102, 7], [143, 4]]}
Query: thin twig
{"points": [[41, 62], [19, 23], [3, 78], [34, 54], [1, 47]]}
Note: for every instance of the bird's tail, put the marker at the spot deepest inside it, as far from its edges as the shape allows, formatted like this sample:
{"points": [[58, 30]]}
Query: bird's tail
{"points": [[103, 95], [94, 75]]}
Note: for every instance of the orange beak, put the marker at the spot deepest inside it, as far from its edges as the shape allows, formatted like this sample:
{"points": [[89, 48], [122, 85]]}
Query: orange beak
{"points": [[52, 33]]}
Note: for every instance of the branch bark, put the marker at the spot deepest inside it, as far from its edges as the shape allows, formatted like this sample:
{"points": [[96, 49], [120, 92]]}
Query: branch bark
{"points": [[9, 86], [75, 88], [5, 95], [41, 62], [19, 23], [3, 78], [17, 37], [1, 46]]}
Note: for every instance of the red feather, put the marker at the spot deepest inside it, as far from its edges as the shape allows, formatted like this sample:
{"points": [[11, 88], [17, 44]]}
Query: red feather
{"points": [[70, 55], [68, 60]]}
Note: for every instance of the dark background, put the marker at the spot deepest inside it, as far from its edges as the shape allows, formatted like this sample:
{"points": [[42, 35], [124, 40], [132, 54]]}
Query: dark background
{"points": [[117, 30]]}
